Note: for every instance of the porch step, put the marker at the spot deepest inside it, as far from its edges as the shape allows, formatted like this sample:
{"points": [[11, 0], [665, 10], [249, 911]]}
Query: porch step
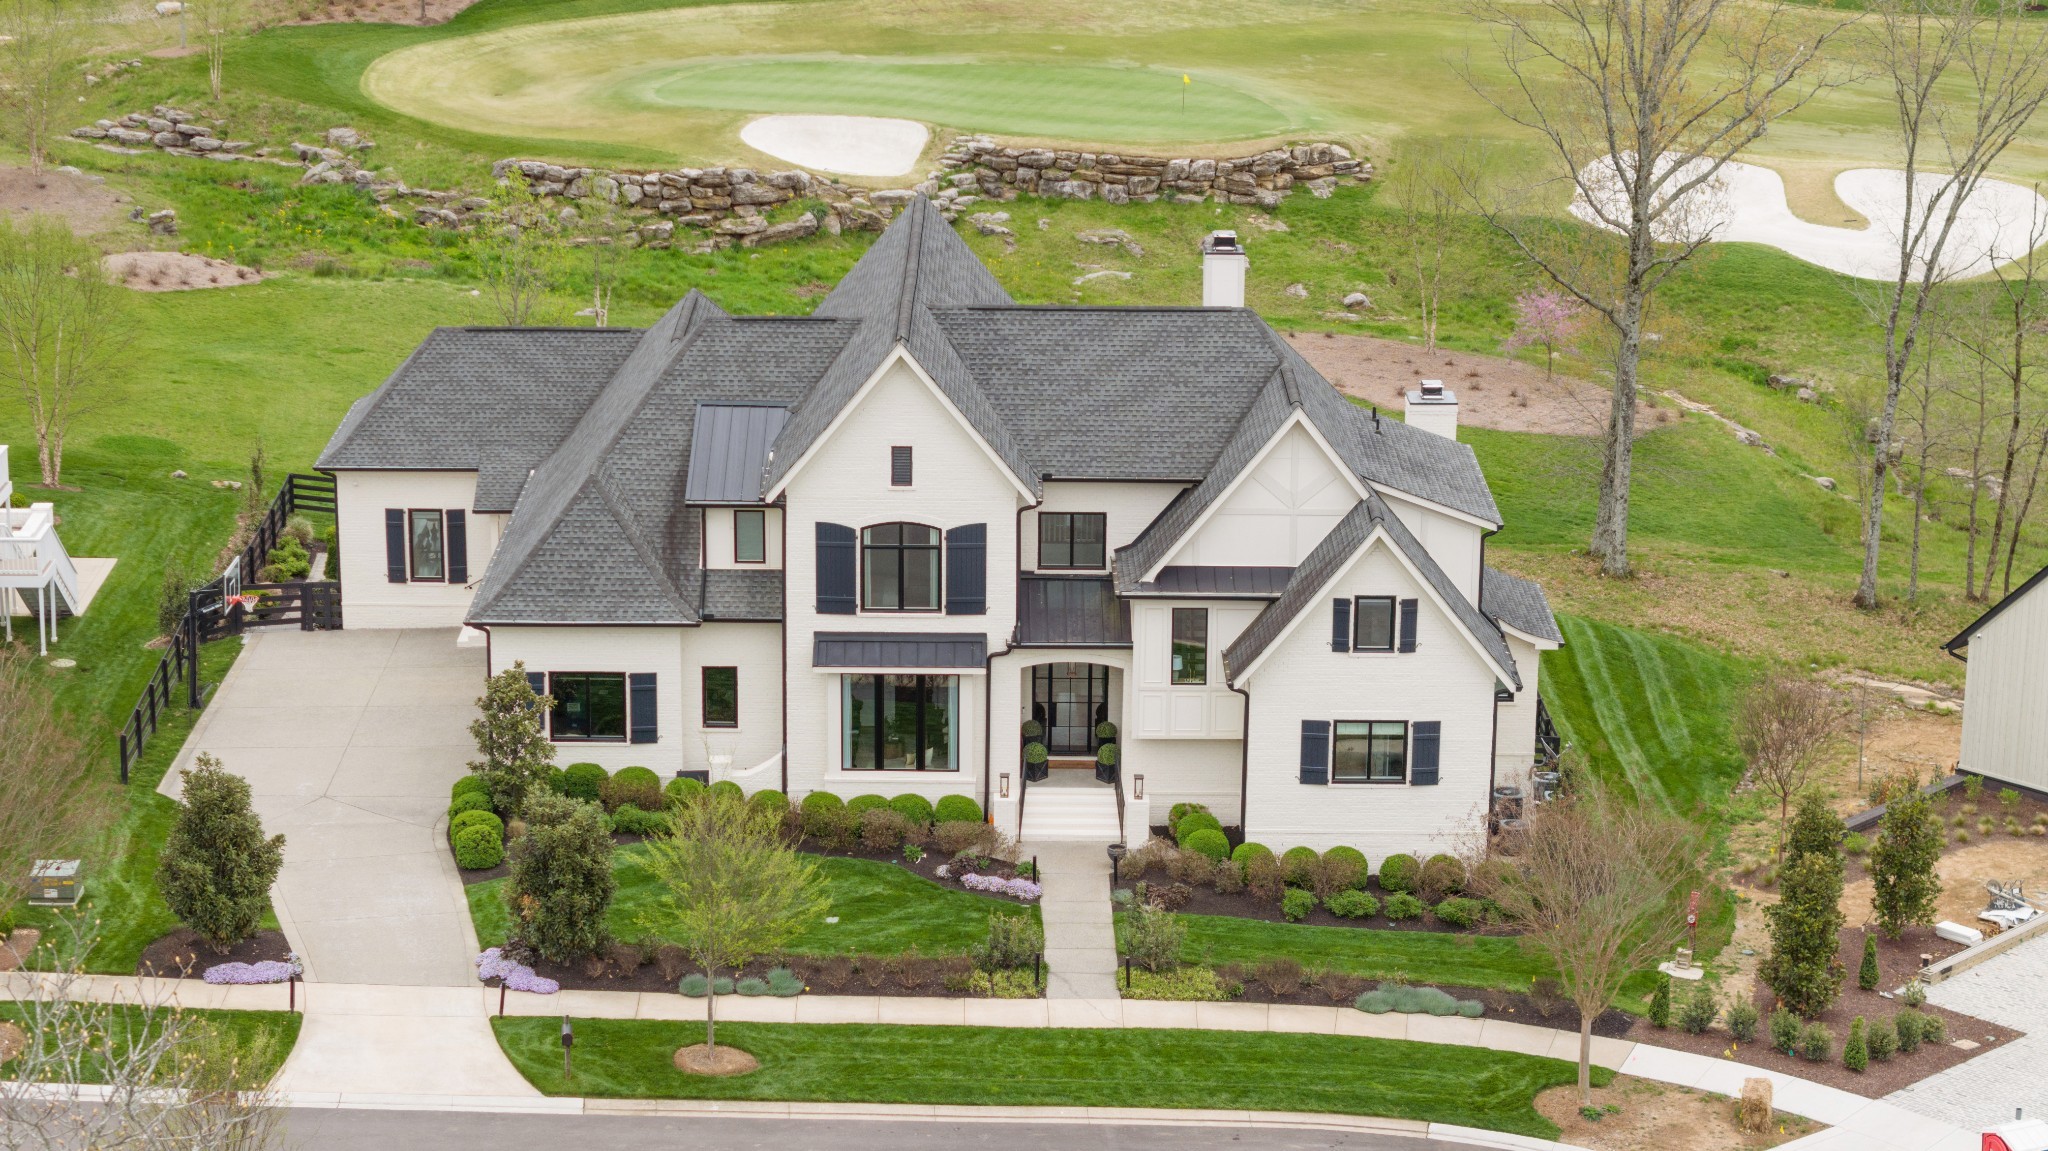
{"points": [[1069, 814]]}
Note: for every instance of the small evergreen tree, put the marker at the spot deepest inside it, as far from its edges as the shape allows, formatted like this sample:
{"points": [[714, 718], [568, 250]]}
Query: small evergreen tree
{"points": [[216, 867], [561, 883], [1867, 975], [1815, 828], [1805, 931], [1904, 884], [1660, 1002], [1855, 1053], [511, 737]]}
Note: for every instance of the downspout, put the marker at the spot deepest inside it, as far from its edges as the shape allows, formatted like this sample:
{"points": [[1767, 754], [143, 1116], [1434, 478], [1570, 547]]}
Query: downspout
{"points": [[1244, 767], [784, 645], [988, 678], [1492, 764]]}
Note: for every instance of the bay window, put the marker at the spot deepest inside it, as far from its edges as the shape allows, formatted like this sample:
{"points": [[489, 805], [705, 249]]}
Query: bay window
{"points": [[899, 722]]}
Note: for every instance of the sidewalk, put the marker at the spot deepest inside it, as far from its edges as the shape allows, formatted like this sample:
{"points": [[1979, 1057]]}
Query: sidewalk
{"points": [[2006, 989], [360, 1063], [1080, 936]]}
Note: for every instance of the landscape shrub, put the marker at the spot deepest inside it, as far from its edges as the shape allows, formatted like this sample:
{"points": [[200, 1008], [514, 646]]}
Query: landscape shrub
{"points": [[1262, 878], [1402, 905], [287, 561], [1152, 938], [915, 808], [1902, 863], [1699, 1010], [696, 985], [882, 828], [1460, 912], [1801, 966], [1915, 994], [1405, 1000], [1855, 1055], [1816, 1042], [562, 882], [469, 801], [1228, 879], [1908, 1027], [1193, 867], [1031, 729], [635, 785], [1248, 851], [1298, 866], [751, 986], [1660, 1002], [682, 789], [956, 809], [1193, 822], [1297, 904], [1180, 811], [1855, 843], [1182, 985], [216, 867], [1013, 941], [1882, 1040], [1867, 973], [1105, 731], [631, 819], [783, 983], [1280, 974], [1741, 1020], [583, 781], [478, 847], [1399, 872], [861, 804], [1933, 1031], [727, 787], [1353, 857], [475, 819], [467, 784], [1036, 753], [1784, 1030], [1442, 875], [959, 835], [769, 799], [1107, 755], [1352, 905], [1208, 842]]}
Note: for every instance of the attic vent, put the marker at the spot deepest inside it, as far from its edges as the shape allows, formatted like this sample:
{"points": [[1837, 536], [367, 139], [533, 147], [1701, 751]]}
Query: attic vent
{"points": [[899, 467]]}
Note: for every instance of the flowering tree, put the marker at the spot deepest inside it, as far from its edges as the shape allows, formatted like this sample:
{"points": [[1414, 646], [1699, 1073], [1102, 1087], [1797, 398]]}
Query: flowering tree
{"points": [[1548, 320]]}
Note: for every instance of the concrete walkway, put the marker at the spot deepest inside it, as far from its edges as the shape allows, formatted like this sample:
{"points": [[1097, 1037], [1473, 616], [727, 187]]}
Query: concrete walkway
{"points": [[350, 740], [2007, 989], [1080, 936]]}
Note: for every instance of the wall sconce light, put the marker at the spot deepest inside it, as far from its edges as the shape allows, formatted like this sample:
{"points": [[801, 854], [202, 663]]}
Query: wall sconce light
{"points": [[1003, 785], [1138, 786]]}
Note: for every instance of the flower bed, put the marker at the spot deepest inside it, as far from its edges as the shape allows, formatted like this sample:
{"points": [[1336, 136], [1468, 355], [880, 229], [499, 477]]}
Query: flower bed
{"points": [[264, 971]]}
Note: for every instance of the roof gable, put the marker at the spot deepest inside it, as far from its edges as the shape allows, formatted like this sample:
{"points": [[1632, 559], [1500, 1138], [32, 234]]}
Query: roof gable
{"points": [[1962, 640]]}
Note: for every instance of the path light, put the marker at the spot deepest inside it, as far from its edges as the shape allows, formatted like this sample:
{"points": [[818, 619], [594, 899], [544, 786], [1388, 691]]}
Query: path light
{"points": [[1003, 785], [568, 1041], [1117, 851], [1138, 786]]}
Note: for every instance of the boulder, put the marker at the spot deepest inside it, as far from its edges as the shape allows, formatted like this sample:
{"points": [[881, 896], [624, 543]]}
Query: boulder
{"points": [[129, 136], [206, 144], [894, 198], [755, 193], [740, 226], [1783, 382], [1297, 291], [1826, 484], [803, 225], [1357, 300], [159, 124], [167, 140], [1806, 395], [991, 223]]}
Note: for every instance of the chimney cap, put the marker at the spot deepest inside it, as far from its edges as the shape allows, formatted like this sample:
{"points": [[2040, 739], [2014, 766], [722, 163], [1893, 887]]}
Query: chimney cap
{"points": [[1431, 392], [1222, 240]]}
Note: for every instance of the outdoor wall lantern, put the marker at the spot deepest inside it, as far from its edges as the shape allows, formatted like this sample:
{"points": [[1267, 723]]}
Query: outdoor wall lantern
{"points": [[1138, 786], [1003, 785]]}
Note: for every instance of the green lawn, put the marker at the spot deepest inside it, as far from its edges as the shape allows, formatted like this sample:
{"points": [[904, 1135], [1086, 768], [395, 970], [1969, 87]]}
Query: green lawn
{"points": [[882, 910], [265, 1036], [1053, 1067]]}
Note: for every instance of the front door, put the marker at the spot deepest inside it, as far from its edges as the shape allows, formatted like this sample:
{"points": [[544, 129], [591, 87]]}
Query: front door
{"points": [[1070, 699]]}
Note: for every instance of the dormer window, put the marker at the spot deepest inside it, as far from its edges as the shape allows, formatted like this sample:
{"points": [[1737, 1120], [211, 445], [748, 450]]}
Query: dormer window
{"points": [[1372, 623], [1072, 540], [749, 536], [899, 467], [899, 568]]}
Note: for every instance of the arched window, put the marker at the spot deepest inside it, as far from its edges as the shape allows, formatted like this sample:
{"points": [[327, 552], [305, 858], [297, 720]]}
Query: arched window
{"points": [[899, 566]]}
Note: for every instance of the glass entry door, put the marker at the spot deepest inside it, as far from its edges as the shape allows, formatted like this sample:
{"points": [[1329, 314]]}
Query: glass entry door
{"points": [[1070, 699]]}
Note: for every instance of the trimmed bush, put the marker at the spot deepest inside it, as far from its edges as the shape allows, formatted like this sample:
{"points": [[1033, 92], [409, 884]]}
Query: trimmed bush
{"points": [[1031, 729], [1298, 866], [1933, 1031], [1855, 1054], [1193, 822], [1209, 842], [1247, 852], [478, 847], [1180, 811], [632, 820], [1660, 1002], [469, 783], [1353, 857], [752, 986], [915, 808], [562, 880], [1107, 755], [1882, 1041], [1699, 1010], [469, 801], [822, 801], [1442, 875], [1296, 904], [475, 819], [865, 803], [217, 867], [1399, 872], [632, 785], [682, 789], [956, 809], [1036, 753], [1402, 905], [1353, 905], [1741, 1020], [783, 983], [1405, 1000], [1461, 913], [1908, 1026], [1867, 974], [1105, 730], [583, 781], [728, 787], [826, 820], [1816, 1042], [769, 799], [1785, 1031]]}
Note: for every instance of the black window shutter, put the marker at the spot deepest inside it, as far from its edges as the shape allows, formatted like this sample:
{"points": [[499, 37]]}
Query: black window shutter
{"points": [[1340, 625], [1408, 607], [899, 467], [967, 570], [458, 546], [838, 566], [1315, 751], [1428, 734], [394, 544], [640, 695]]}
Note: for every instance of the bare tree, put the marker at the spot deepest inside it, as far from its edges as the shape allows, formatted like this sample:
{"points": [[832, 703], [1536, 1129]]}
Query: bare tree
{"points": [[1965, 76], [1786, 723], [1597, 886], [219, 22], [1639, 103], [1427, 177], [51, 809], [520, 258], [59, 321], [39, 66]]}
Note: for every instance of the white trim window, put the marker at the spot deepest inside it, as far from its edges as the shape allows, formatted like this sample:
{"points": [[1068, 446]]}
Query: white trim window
{"points": [[899, 722]]}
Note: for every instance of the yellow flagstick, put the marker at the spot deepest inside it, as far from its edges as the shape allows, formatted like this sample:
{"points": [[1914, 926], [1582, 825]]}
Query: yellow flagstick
{"points": [[1184, 82]]}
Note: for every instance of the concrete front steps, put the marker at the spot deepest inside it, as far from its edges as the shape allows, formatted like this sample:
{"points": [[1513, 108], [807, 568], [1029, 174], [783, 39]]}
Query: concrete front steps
{"points": [[1070, 814]]}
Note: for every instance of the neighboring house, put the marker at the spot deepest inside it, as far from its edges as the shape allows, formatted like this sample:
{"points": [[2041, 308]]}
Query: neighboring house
{"points": [[855, 551], [2005, 689]]}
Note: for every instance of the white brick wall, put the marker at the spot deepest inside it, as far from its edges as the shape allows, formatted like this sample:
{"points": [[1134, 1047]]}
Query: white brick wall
{"points": [[370, 599]]}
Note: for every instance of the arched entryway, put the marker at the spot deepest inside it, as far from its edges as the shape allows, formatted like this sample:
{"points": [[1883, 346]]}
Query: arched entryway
{"points": [[1069, 702]]}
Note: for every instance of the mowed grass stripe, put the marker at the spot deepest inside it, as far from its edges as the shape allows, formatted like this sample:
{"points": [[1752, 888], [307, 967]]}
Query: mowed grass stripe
{"points": [[1608, 702]]}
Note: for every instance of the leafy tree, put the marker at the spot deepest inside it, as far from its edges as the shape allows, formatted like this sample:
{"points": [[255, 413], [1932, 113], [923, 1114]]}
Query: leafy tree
{"points": [[1786, 724], [520, 258], [1806, 926], [60, 320], [217, 866], [732, 888], [511, 736], [561, 883], [1816, 830], [40, 45], [1905, 885], [1547, 320]]}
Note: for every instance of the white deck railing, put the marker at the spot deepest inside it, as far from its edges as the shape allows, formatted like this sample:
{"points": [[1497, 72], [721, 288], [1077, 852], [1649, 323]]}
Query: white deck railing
{"points": [[32, 557]]}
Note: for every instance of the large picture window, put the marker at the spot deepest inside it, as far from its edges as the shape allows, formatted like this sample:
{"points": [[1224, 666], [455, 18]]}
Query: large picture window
{"points": [[429, 552], [1374, 752], [588, 705], [1072, 540], [749, 536], [1191, 645], [1372, 623], [900, 722], [721, 697], [899, 568]]}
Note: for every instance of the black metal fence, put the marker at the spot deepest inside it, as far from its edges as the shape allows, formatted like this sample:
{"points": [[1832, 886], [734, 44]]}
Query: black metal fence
{"points": [[228, 606]]}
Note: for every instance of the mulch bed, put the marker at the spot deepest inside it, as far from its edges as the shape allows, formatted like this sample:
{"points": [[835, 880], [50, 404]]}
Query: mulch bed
{"points": [[182, 954], [1244, 905], [1513, 1006], [623, 967], [1897, 960]]}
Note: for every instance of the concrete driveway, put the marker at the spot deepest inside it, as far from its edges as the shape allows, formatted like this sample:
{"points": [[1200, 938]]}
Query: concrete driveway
{"points": [[350, 740]]}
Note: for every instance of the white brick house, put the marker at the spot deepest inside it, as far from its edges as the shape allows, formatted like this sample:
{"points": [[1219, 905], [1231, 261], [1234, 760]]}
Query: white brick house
{"points": [[857, 551]]}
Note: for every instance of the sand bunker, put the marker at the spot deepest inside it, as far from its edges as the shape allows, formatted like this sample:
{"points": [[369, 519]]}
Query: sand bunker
{"points": [[1747, 203], [848, 145]]}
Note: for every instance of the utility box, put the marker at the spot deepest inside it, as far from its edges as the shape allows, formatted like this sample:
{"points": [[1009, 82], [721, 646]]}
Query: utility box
{"points": [[55, 882]]}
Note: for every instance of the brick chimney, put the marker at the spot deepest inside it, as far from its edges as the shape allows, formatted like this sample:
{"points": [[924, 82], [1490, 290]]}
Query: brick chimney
{"points": [[1433, 408], [1223, 269]]}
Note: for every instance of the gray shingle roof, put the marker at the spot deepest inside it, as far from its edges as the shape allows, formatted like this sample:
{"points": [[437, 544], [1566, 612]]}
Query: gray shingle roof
{"points": [[899, 649], [1305, 591], [1517, 603], [741, 595]]}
